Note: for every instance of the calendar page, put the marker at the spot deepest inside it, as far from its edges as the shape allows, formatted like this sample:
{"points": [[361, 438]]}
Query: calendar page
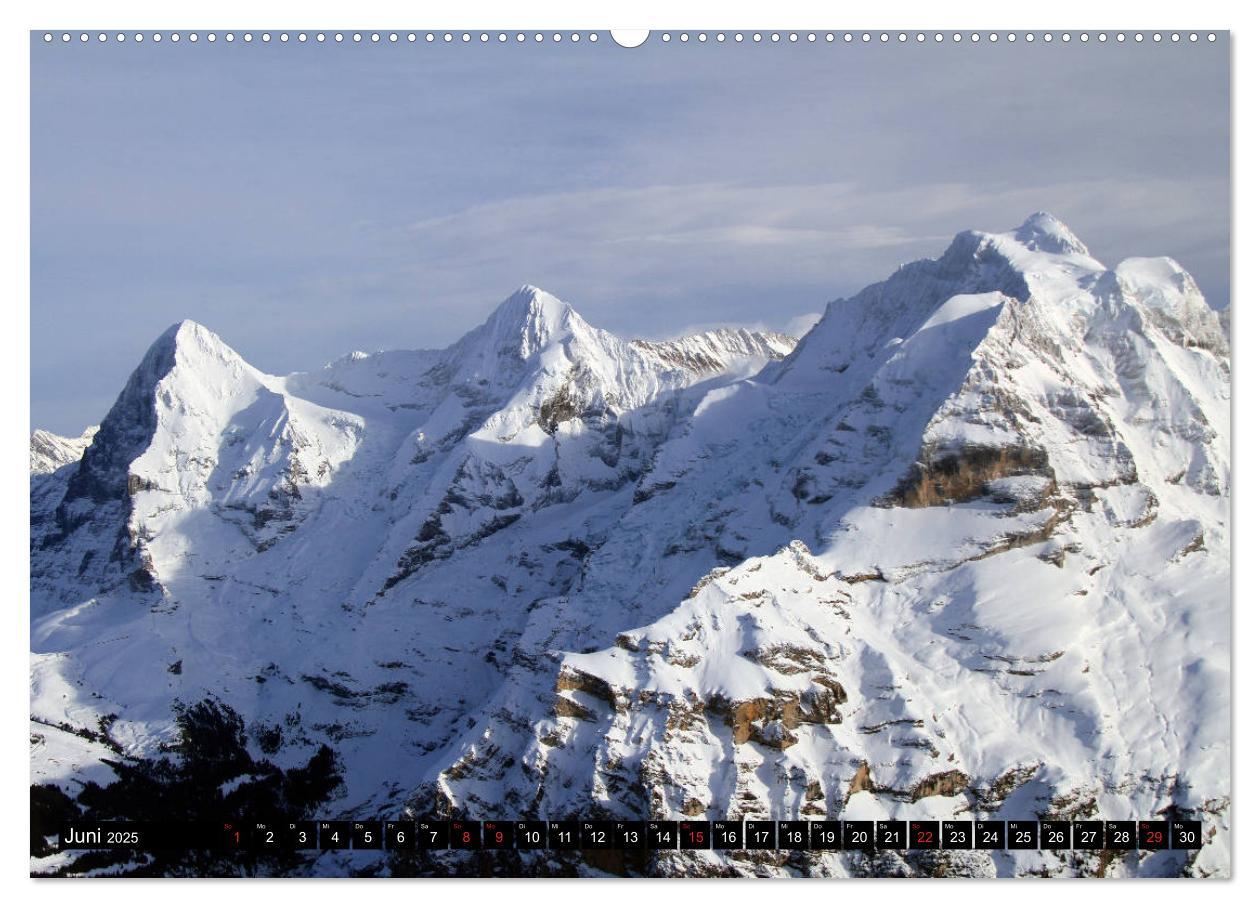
{"points": [[562, 452]]}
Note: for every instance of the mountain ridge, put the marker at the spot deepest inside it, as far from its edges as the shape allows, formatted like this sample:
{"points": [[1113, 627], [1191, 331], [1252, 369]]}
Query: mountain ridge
{"points": [[723, 575]]}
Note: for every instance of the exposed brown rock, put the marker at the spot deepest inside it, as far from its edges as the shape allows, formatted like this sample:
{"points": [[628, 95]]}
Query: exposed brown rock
{"points": [[693, 808], [683, 660], [741, 717], [790, 660], [864, 577], [821, 705], [940, 478], [552, 739], [990, 799], [1077, 804], [770, 720], [774, 734], [571, 709], [1196, 545], [561, 407], [573, 679], [948, 784], [861, 780], [684, 716]]}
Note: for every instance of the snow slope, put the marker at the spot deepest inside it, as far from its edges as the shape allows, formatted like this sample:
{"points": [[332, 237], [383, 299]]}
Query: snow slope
{"points": [[963, 550]]}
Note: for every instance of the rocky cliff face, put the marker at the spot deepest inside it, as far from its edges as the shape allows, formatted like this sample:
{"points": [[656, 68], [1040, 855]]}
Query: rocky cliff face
{"points": [[962, 550]]}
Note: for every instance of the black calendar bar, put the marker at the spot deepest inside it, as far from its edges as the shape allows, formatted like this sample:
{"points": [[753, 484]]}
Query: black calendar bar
{"points": [[564, 835], [597, 835], [859, 835], [761, 834], [1087, 835], [826, 835], [990, 835], [958, 835], [498, 834], [1185, 834], [263, 837], [728, 835], [695, 835], [531, 835], [629, 835], [1056, 835], [890, 835], [465, 835], [925, 835]]}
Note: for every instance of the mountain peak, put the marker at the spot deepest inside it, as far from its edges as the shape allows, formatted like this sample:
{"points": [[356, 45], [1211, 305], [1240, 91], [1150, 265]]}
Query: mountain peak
{"points": [[533, 302], [209, 368], [194, 346], [1043, 232], [188, 336], [528, 320]]}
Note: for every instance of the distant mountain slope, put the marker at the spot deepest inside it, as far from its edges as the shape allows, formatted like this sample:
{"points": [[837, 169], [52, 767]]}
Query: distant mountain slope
{"points": [[53, 459], [50, 452]]}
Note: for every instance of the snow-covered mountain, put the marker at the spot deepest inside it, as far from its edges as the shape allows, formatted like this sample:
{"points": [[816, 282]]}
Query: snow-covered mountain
{"points": [[50, 452], [962, 550]]}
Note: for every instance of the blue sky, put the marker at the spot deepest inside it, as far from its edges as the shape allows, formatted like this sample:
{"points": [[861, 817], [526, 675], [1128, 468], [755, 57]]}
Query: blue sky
{"points": [[307, 200]]}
